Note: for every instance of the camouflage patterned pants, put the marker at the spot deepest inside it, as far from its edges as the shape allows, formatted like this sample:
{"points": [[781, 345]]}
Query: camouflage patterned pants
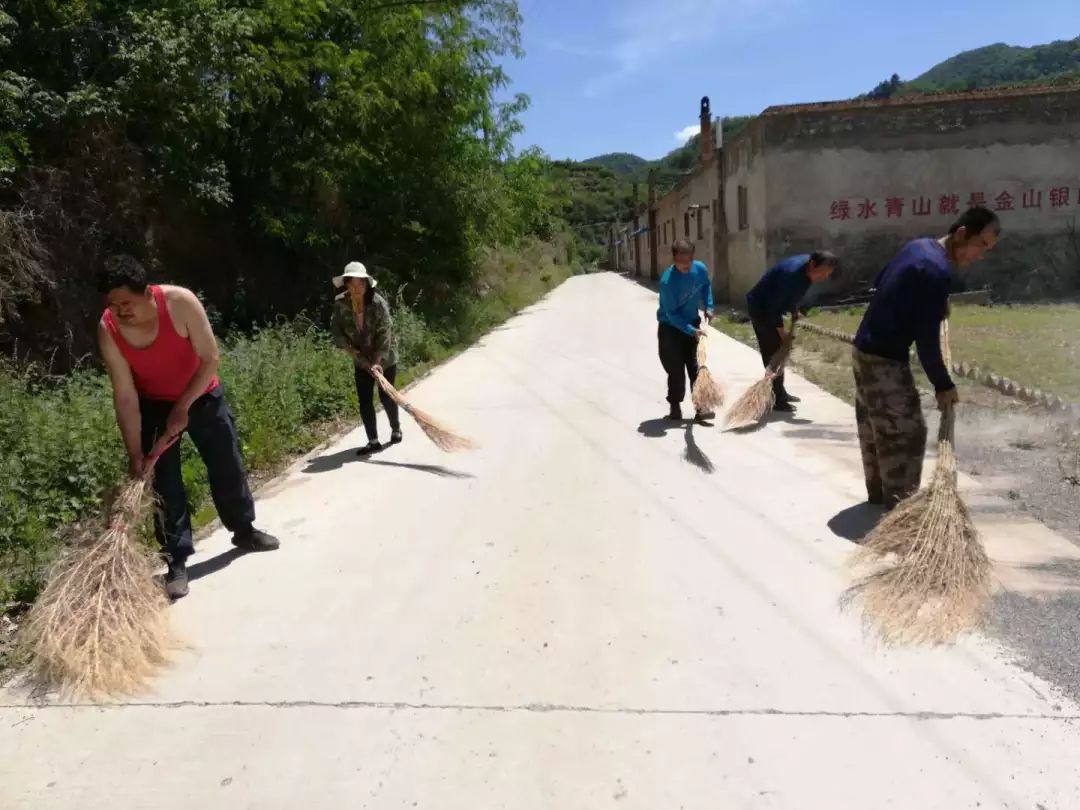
{"points": [[892, 431]]}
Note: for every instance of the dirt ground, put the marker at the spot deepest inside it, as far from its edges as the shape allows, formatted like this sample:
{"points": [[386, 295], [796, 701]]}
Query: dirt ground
{"points": [[1031, 460], [1017, 451]]}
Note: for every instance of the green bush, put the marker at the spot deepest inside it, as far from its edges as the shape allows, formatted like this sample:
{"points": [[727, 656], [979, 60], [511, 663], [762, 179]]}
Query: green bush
{"points": [[60, 450]]}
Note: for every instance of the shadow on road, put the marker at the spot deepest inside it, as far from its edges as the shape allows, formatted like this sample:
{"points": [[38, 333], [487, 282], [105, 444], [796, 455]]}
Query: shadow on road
{"points": [[823, 434], [214, 564], [695, 455], [431, 469], [855, 522], [787, 417], [335, 461], [658, 428]]}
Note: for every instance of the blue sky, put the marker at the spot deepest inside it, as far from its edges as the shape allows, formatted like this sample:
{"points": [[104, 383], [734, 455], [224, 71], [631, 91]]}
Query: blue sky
{"points": [[627, 75]]}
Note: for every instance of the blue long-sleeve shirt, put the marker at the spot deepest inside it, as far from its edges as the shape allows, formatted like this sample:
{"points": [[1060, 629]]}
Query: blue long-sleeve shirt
{"points": [[780, 290], [910, 302], [682, 295]]}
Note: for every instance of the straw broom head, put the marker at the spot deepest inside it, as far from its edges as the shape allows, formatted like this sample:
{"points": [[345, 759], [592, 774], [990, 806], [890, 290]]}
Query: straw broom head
{"points": [[755, 404], [707, 394], [930, 576], [100, 627], [752, 406], [441, 436]]}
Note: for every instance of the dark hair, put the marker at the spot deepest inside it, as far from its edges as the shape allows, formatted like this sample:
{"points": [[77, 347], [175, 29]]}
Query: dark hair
{"points": [[976, 220], [122, 271], [826, 258], [682, 246]]}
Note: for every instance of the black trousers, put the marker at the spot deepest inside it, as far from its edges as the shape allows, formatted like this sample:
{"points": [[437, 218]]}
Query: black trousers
{"points": [[365, 388], [213, 431], [769, 342], [678, 355]]}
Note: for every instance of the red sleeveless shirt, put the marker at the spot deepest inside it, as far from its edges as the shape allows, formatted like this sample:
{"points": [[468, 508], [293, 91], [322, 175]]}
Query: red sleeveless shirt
{"points": [[163, 369]]}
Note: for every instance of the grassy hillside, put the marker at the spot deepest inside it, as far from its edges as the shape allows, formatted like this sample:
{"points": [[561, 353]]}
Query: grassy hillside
{"points": [[598, 196], [623, 164], [673, 165], [993, 66], [601, 188]]}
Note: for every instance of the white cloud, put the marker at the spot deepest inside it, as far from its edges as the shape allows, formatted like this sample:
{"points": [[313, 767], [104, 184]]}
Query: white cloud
{"points": [[644, 33], [686, 133]]}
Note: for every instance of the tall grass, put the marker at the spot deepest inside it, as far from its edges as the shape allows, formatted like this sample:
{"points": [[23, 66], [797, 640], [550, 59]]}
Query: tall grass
{"points": [[60, 451]]}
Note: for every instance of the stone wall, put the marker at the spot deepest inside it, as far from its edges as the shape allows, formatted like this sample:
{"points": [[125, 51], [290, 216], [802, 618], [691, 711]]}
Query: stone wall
{"points": [[687, 212], [745, 168], [863, 178]]}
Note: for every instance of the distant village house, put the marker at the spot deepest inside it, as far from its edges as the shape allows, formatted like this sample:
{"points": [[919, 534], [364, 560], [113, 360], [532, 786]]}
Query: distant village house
{"points": [[861, 177]]}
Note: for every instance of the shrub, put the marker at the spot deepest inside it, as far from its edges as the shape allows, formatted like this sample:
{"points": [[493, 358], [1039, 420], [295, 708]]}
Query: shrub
{"points": [[60, 450]]}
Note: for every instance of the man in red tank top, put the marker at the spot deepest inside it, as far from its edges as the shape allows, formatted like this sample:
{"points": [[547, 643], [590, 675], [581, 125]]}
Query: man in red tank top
{"points": [[162, 359]]}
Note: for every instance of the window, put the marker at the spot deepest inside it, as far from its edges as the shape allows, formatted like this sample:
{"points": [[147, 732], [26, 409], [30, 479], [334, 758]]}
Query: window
{"points": [[700, 234], [686, 225], [744, 209]]}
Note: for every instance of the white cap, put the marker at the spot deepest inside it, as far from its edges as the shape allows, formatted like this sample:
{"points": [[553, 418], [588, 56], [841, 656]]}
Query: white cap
{"points": [[354, 270]]}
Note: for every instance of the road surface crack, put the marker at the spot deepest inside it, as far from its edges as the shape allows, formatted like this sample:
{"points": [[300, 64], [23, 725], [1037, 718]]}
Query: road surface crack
{"points": [[543, 708]]}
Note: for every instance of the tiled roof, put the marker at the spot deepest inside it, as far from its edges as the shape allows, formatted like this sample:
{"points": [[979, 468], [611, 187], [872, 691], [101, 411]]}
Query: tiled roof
{"points": [[927, 98]]}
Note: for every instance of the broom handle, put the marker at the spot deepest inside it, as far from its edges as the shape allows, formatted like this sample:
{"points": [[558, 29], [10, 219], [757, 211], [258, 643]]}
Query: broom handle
{"points": [[384, 383], [946, 351], [947, 428], [151, 460], [781, 355]]}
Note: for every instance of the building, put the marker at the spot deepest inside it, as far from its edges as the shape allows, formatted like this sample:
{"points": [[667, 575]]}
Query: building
{"points": [[691, 210], [861, 177]]}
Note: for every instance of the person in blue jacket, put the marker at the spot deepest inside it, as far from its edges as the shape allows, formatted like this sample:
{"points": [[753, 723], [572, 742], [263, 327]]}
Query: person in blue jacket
{"points": [[778, 292], [685, 289]]}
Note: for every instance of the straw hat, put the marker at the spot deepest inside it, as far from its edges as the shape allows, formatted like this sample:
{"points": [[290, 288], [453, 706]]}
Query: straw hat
{"points": [[355, 270]]}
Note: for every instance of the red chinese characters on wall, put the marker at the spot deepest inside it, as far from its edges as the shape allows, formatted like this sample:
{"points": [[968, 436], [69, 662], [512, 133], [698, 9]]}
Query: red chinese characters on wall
{"points": [[1060, 197], [949, 204]]}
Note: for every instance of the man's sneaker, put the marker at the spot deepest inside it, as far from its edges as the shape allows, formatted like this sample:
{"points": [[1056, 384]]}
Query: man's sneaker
{"points": [[176, 581], [372, 446], [704, 416], [254, 540], [676, 413], [791, 397], [395, 436], [784, 406]]}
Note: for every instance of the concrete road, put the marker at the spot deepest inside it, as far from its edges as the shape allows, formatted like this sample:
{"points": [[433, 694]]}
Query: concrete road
{"points": [[595, 610]]}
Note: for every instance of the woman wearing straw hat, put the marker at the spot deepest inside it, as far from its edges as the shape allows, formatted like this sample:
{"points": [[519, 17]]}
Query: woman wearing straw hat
{"points": [[362, 327]]}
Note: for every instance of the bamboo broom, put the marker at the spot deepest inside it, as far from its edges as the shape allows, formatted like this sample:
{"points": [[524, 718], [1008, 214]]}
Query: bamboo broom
{"points": [[928, 576], [707, 394], [100, 628], [441, 436], [755, 404]]}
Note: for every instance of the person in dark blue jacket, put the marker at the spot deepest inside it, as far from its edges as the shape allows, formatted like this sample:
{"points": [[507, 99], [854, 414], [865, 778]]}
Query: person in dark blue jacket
{"points": [[685, 288], [777, 293], [911, 299]]}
